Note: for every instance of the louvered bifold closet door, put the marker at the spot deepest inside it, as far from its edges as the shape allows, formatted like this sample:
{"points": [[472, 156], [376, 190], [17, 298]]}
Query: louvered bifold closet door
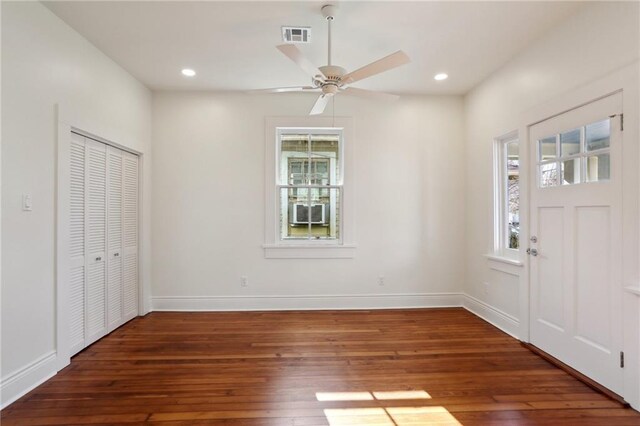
{"points": [[96, 240], [76, 242], [130, 235], [114, 237]]}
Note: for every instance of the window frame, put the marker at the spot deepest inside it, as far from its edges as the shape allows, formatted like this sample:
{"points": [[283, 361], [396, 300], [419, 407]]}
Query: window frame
{"points": [[339, 184], [501, 197], [273, 246]]}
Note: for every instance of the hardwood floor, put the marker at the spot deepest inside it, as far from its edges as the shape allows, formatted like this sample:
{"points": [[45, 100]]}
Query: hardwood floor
{"points": [[313, 368]]}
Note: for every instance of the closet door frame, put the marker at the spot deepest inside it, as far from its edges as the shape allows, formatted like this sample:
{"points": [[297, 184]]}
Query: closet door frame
{"points": [[62, 258]]}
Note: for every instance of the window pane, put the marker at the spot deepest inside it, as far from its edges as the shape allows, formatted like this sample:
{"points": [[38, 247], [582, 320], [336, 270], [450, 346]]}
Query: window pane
{"points": [[597, 135], [294, 212], [547, 148], [548, 175], [323, 211], [598, 168], [325, 214], [325, 155], [571, 171], [294, 155], [513, 196], [570, 143]]}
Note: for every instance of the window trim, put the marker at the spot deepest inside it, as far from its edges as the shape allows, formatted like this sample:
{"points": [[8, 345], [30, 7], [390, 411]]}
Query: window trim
{"points": [[273, 246], [500, 202]]}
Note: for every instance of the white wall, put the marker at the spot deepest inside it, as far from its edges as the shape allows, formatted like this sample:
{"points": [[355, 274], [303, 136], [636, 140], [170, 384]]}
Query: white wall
{"points": [[423, 188], [208, 204], [44, 63], [595, 43]]}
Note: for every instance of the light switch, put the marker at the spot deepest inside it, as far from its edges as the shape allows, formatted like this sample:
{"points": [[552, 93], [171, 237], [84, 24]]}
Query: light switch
{"points": [[27, 202]]}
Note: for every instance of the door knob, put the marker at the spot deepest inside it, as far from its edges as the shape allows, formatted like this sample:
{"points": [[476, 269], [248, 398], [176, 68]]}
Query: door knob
{"points": [[116, 254], [98, 259], [532, 252]]}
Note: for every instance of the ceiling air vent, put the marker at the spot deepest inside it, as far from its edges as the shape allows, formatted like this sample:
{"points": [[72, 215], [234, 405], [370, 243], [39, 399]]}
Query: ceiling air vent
{"points": [[296, 34]]}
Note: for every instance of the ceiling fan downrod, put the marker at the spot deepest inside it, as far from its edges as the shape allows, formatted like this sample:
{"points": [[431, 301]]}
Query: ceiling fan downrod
{"points": [[329, 11]]}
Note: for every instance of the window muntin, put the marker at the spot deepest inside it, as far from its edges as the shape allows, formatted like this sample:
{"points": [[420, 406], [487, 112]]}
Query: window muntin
{"points": [[584, 156], [310, 184], [507, 190]]}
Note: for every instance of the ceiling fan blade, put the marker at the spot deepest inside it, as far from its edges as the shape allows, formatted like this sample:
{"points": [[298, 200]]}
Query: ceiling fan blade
{"points": [[286, 89], [370, 94], [293, 53], [319, 106], [381, 65]]}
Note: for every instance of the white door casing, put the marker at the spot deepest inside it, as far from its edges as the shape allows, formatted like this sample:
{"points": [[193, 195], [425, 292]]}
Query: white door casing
{"points": [[76, 246], [575, 278]]}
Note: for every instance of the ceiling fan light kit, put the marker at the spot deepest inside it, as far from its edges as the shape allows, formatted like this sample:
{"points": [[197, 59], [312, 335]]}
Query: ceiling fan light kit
{"points": [[330, 79]]}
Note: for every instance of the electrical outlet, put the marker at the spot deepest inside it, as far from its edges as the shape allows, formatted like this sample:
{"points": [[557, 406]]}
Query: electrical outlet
{"points": [[244, 281], [381, 280]]}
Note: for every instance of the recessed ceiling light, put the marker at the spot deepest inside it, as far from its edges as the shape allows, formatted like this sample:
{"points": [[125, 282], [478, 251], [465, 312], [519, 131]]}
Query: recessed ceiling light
{"points": [[188, 72], [441, 76]]}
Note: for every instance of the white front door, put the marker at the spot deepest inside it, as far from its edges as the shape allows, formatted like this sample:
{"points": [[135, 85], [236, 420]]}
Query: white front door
{"points": [[575, 248]]}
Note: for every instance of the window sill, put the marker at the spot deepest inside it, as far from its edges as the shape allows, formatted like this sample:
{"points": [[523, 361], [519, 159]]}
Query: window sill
{"points": [[503, 259], [275, 251]]}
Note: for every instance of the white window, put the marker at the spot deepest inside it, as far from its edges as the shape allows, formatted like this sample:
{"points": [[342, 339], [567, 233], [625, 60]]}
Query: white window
{"points": [[309, 183], [309, 203], [507, 195], [576, 156]]}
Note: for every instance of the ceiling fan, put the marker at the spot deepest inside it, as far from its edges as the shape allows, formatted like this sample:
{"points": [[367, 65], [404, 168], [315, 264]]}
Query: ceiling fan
{"points": [[332, 79]]}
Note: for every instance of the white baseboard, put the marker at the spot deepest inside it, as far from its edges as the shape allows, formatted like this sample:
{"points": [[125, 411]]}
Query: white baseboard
{"points": [[22, 381], [307, 302], [505, 322]]}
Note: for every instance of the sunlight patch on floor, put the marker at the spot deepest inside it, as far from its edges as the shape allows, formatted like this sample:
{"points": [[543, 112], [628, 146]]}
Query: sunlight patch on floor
{"points": [[391, 416], [369, 396], [413, 416], [358, 417], [344, 396], [413, 394], [385, 416]]}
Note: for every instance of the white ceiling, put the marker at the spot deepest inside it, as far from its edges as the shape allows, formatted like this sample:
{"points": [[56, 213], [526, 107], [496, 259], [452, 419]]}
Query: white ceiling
{"points": [[231, 45]]}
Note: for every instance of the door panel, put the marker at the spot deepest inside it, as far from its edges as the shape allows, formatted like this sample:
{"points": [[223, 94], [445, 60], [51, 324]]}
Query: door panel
{"points": [[550, 271], [130, 195], [115, 237], [594, 269], [96, 222], [576, 291]]}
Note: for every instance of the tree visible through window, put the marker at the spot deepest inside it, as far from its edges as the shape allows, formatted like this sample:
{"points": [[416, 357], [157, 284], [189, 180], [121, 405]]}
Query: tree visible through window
{"points": [[310, 183], [507, 195], [512, 194]]}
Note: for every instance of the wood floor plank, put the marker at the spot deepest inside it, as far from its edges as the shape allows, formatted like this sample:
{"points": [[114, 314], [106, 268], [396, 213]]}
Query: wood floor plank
{"points": [[269, 368]]}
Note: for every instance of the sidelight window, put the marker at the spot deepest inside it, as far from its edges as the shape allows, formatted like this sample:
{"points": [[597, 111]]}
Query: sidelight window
{"points": [[507, 194]]}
